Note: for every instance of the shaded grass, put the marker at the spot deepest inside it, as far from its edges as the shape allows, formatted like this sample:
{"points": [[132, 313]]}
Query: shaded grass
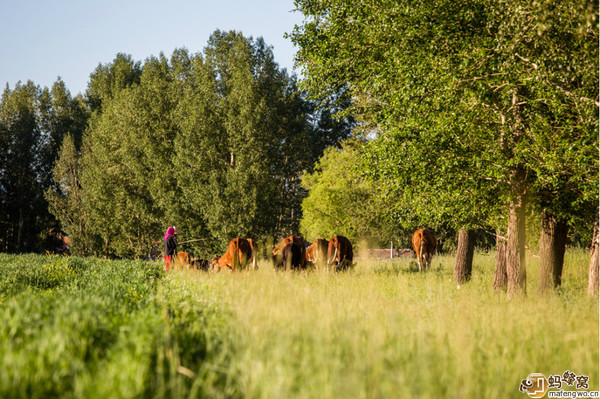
{"points": [[93, 328]]}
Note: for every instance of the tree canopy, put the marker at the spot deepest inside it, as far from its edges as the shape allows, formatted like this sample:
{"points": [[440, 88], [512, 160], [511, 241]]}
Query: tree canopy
{"points": [[478, 108], [213, 143], [33, 123]]}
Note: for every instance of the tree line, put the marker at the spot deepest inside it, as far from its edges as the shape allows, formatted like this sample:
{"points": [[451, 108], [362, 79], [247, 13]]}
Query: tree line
{"points": [[475, 115], [213, 143]]}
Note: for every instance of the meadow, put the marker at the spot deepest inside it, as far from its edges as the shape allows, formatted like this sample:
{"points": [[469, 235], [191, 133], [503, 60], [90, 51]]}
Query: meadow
{"points": [[86, 327]]}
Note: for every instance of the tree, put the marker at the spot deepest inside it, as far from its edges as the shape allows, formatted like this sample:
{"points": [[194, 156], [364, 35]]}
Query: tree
{"points": [[109, 79], [19, 183], [341, 202], [214, 143], [594, 270], [126, 167], [33, 122], [66, 199], [474, 84], [245, 140], [463, 265]]}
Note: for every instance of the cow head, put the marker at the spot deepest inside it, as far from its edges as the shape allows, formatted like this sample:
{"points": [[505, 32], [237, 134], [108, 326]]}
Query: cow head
{"points": [[215, 264]]}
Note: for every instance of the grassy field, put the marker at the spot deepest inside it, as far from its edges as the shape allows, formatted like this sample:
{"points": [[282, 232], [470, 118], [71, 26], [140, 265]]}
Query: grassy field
{"points": [[75, 327]]}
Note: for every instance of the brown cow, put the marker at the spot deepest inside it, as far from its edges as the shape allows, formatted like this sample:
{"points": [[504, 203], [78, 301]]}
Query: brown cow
{"points": [[424, 244], [278, 250], [186, 261], [316, 253], [200, 264], [339, 253], [237, 256], [291, 257], [182, 259]]}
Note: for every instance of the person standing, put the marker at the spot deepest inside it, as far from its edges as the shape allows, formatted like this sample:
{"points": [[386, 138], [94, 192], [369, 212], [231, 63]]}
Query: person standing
{"points": [[170, 246]]}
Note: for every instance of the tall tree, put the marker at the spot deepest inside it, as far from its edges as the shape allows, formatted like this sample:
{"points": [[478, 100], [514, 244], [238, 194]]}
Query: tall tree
{"points": [[594, 270], [33, 122], [417, 69], [341, 201], [214, 143], [66, 199], [19, 183], [126, 168], [109, 79]]}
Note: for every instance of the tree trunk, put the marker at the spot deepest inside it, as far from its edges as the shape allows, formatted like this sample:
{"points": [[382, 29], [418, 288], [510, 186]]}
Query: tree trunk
{"points": [[500, 277], [594, 264], [515, 246], [19, 232], [463, 264], [553, 238]]}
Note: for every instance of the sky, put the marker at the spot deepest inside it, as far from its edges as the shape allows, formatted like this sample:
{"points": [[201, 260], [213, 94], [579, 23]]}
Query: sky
{"points": [[46, 39]]}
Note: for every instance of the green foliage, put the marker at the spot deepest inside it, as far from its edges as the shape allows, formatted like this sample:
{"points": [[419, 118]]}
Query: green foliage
{"points": [[33, 123], [213, 143], [460, 96], [107, 80], [341, 202]]}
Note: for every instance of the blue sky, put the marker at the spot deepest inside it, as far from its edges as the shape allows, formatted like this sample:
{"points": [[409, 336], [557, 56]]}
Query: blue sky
{"points": [[45, 39]]}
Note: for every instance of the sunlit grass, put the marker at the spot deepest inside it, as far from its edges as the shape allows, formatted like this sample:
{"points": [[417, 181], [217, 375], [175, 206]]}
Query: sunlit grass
{"points": [[385, 330]]}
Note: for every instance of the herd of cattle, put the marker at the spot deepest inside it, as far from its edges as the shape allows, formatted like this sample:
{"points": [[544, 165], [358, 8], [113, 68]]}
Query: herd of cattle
{"points": [[292, 253]]}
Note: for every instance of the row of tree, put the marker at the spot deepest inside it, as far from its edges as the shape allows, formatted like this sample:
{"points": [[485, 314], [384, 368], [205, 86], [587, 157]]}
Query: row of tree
{"points": [[470, 116], [33, 123], [213, 143], [475, 114]]}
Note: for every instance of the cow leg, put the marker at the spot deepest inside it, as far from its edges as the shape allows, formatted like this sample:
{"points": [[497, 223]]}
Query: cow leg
{"points": [[333, 258]]}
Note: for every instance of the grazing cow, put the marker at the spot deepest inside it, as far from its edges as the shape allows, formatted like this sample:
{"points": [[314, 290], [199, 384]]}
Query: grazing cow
{"points": [[316, 253], [254, 249], [291, 256], [424, 244], [339, 253], [187, 261], [237, 256], [278, 249], [200, 264], [182, 259]]}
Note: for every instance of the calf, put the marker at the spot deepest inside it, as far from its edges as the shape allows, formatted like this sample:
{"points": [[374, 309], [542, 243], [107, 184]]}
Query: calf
{"points": [[200, 264], [424, 244], [182, 259]]}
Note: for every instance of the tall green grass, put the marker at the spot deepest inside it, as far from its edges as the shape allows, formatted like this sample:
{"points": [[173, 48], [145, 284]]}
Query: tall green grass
{"points": [[93, 328], [74, 327]]}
